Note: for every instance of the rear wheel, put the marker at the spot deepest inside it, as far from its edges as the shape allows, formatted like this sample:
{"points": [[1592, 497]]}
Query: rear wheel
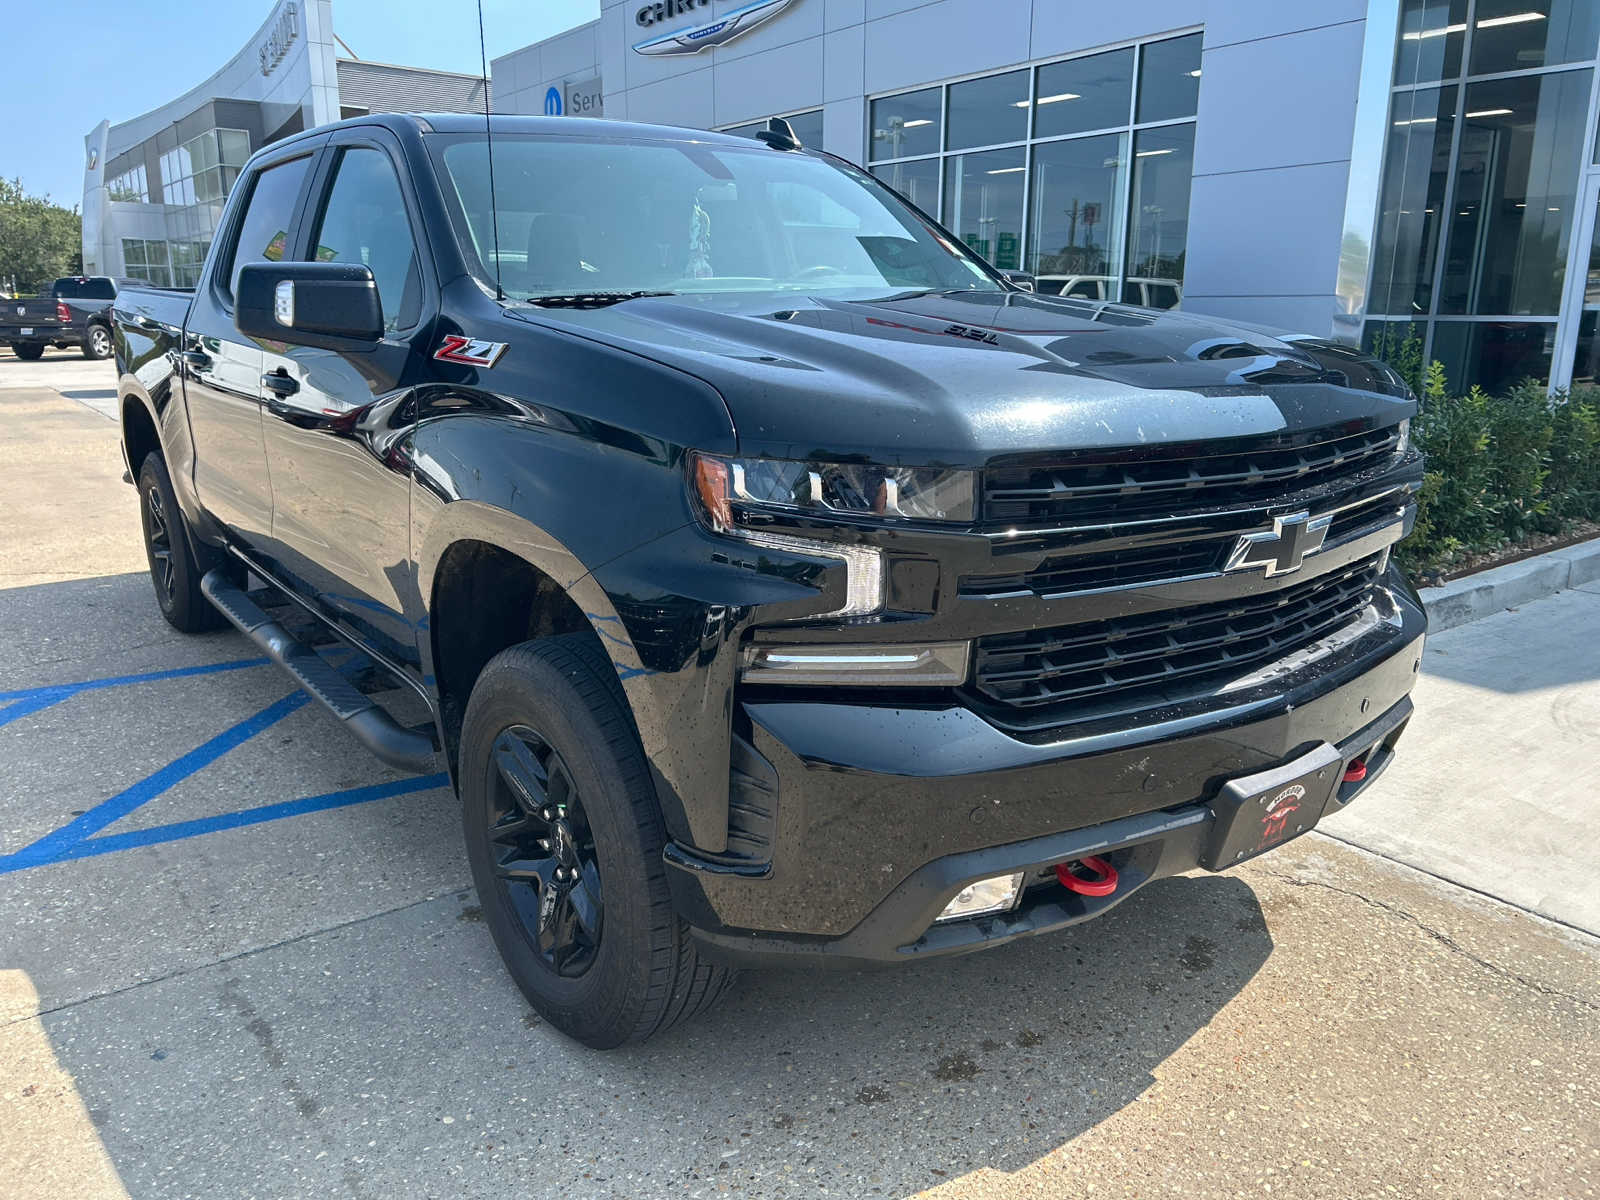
{"points": [[174, 571], [565, 839], [29, 352], [97, 342]]}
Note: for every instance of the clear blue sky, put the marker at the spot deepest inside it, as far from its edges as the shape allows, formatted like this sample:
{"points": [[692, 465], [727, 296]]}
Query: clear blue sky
{"points": [[69, 65]]}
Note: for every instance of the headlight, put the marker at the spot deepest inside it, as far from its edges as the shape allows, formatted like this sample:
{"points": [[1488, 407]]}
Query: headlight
{"points": [[1404, 443], [728, 485]]}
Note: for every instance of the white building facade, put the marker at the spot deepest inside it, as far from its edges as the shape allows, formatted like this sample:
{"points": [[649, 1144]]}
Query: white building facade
{"points": [[154, 186], [1364, 168]]}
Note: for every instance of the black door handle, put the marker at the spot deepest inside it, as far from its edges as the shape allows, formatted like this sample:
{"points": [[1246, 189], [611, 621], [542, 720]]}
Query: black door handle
{"points": [[196, 360], [280, 383]]}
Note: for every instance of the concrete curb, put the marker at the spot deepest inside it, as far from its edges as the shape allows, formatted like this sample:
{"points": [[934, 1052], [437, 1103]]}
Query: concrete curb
{"points": [[1462, 601]]}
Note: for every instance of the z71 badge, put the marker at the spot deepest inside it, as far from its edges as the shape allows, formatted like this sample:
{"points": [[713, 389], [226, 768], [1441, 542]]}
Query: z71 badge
{"points": [[458, 348]]}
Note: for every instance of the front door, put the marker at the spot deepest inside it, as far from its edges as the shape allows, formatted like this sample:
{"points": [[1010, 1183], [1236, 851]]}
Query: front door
{"points": [[222, 368], [335, 422]]}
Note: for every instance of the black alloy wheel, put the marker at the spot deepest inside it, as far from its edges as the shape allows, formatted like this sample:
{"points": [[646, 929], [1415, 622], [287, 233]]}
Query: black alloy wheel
{"points": [[158, 541], [545, 853], [556, 797]]}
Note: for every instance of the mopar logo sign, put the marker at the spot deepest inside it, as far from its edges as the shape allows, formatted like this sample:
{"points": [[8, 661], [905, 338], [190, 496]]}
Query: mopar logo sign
{"points": [[694, 38], [552, 102]]}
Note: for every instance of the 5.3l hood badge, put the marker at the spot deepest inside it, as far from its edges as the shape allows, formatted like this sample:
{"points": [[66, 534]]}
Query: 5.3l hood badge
{"points": [[474, 352], [713, 33], [1282, 548]]}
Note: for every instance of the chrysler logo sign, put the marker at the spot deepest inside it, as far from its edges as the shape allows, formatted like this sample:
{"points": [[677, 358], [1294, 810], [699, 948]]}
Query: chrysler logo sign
{"points": [[695, 38], [1282, 548]]}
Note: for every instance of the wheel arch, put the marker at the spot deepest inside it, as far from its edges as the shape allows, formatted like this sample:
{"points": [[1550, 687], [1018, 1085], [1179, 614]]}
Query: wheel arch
{"points": [[489, 579]]}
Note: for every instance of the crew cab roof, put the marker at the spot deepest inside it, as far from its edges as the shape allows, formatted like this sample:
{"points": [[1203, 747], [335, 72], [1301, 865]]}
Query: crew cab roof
{"points": [[510, 124]]}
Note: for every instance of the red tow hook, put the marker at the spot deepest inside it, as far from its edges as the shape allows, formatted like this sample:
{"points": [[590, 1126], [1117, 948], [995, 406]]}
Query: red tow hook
{"points": [[1356, 771], [1104, 885]]}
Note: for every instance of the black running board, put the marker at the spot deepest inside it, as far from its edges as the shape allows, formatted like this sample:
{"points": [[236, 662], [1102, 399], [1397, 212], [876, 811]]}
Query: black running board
{"points": [[375, 729]]}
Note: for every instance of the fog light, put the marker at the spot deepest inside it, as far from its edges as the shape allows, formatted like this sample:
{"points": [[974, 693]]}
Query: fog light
{"points": [[985, 896], [937, 664]]}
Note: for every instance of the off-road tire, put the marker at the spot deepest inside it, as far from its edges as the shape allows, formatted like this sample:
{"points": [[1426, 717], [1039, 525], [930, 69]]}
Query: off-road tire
{"points": [[28, 353], [170, 550], [646, 972]]}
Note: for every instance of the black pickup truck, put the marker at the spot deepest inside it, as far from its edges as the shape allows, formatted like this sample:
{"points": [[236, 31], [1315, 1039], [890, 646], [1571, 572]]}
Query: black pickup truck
{"points": [[781, 584], [76, 311]]}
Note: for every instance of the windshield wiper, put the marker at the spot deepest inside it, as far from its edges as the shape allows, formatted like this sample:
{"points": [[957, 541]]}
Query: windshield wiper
{"points": [[591, 299]]}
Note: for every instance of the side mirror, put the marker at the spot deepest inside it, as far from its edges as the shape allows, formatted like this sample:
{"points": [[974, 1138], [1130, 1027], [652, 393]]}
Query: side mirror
{"points": [[1020, 280], [334, 306]]}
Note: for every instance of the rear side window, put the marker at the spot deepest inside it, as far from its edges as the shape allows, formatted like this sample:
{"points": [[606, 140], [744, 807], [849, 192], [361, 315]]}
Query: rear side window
{"points": [[365, 222], [264, 232], [85, 289]]}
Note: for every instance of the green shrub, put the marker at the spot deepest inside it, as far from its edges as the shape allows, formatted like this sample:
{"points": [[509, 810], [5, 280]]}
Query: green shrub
{"points": [[1499, 468]]}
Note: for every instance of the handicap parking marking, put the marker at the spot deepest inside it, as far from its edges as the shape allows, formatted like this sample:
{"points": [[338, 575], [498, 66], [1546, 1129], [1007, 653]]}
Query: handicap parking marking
{"points": [[82, 837], [31, 700]]}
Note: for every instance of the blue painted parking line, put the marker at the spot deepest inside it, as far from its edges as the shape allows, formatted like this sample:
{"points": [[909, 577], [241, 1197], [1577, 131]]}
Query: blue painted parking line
{"points": [[31, 700], [82, 837]]}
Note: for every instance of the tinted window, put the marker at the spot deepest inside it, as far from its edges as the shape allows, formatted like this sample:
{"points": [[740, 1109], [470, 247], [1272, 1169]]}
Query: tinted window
{"points": [[989, 110], [1169, 79], [917, 181], [93, 288], [1431, 35], [1075, 230], [1084, 94], [1411, 211], [365, 221], [905, 125], [983, 203], [1516, 185], [1512, 35], [1163, 164], [264, 232]]}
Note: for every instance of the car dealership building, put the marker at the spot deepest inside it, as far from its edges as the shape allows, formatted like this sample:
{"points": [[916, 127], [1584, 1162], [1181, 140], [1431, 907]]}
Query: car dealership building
{"points": [[153, 186], [1354, 167], [1331, 166]]}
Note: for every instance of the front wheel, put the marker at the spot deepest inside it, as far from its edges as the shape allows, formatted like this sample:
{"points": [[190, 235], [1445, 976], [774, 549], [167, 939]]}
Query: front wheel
{"points": [[29, 352], [565, 839], [97, 343]]}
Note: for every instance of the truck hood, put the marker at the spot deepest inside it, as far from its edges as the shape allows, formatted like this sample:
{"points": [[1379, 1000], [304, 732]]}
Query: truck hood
{"points": [[961, 377]]}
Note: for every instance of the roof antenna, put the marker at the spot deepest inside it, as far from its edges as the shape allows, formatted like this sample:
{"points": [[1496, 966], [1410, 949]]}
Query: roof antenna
{"points": [[488, 138]]}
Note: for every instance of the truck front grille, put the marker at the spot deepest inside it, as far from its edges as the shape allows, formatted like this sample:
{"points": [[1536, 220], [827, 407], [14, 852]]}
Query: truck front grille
{"points": [[1175, 654], [1097, 488]]}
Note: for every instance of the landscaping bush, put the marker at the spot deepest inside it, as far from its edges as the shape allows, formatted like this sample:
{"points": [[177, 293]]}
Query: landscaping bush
{"points": [[1500, 469]]}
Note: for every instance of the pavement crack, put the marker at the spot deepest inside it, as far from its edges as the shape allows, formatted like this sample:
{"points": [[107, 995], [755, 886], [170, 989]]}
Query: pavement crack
{"points": [[1438, 935], [181, 972]]}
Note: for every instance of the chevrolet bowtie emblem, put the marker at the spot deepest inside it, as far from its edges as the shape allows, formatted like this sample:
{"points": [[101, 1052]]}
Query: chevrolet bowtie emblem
{"points": [[1282, 548]]}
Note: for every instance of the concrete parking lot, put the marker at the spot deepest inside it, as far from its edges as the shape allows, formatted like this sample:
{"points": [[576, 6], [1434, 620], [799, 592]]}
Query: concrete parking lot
{"points": [[240, 958]]}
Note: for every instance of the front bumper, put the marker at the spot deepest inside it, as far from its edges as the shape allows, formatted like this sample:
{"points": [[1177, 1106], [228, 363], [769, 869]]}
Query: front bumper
{"points": [[883, 813]]}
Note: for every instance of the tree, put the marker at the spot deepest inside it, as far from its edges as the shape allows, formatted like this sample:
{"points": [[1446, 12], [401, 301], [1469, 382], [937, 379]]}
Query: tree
{"points": [[38, 240]]}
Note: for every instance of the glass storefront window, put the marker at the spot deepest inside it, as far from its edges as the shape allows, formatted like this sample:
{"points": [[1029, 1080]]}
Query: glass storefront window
{"points": [[1075, 216], [1169, 79], [983, 203], [1158, 214], [1432, 33], [908, 124], [1411, 207], [1516, 183], [987, 111], [1514, 35], [1494, 355], [917, 181], [1084, 94]]}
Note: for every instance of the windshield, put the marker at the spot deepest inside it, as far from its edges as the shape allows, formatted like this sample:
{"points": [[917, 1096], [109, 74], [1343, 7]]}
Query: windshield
{"points": [[623, 215], [93, 288]]}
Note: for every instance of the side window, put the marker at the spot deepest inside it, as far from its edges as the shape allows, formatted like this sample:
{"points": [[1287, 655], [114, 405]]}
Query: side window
{"points": [[264, 232], [365, 221]]}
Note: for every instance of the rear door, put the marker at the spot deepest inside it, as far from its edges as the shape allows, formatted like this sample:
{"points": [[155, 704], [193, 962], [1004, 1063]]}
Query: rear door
{"points": [[336, 422], [222, 368]]}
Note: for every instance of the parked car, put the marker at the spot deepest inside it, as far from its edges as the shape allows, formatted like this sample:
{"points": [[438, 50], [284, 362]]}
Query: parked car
{"points": [[1146, 293], [76, 311], [782, 584]]}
